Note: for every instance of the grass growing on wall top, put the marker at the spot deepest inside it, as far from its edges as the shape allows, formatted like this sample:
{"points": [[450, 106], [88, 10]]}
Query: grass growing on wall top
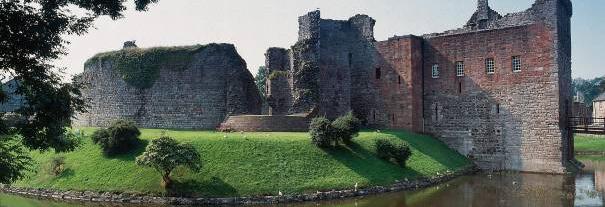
{"points": [[242, 164], [140, 67]]}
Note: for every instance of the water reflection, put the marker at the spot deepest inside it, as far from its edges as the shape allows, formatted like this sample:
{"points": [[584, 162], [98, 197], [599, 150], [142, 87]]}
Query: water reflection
{"points": [[499, 189]]}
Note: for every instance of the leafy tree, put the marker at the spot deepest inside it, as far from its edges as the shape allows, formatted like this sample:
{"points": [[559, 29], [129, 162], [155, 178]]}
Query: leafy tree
{"points": [[591, 88], [261, 80], [31, 36], [13, 159], [165, 154]]}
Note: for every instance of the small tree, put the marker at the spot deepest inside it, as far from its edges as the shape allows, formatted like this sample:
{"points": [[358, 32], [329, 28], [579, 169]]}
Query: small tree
{"points": [[165, 154], [120, 137], [322, 132], [346, 127]]}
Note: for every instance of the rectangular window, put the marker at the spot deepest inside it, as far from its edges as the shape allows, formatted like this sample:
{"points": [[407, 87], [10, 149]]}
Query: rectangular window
{"points": [[435, 71], [489, 66], [459, 68], [516, 63], [378, 73]]}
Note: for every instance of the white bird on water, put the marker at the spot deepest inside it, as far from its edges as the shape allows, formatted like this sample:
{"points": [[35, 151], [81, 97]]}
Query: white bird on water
{"points": [[355, 186], [280, 193]]}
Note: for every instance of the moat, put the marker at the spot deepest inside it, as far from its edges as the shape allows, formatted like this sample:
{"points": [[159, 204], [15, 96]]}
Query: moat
{"points": [[586, 188]]}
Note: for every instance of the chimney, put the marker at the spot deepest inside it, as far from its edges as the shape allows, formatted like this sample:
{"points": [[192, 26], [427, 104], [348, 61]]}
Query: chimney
{"points": [[482, 10]]}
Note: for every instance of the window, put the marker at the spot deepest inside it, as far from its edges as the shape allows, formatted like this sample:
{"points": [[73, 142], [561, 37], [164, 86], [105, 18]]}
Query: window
{"points": [[378, 73], [459, 87], [399, 80], [459, 68], [350, 59], [516, 63], [435, 71], [498, 108], [489, 66]]}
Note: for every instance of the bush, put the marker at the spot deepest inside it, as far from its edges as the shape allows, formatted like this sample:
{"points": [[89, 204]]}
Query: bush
{"points": [[346, 127], [322, 132], [388, 151], [165, 154], [120, 137], [57, 166]]}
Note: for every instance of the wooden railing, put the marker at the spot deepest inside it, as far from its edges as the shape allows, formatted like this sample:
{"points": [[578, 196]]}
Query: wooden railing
{"points": [[587, 125]]}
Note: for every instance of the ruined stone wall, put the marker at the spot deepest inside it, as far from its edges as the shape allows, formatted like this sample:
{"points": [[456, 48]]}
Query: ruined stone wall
{"points": [[305, 65], [505, 120], [400, 65], [279, 91], [196, 94]]}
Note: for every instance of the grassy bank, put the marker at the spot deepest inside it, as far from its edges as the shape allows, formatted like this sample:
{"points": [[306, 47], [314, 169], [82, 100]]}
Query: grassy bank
{"points": [[241, 164], [589, 144]]}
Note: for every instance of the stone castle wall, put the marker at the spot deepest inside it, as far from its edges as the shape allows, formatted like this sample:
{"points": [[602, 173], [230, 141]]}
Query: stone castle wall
{"points": [[279, 90], [503, 120], [496, 118], [214, 84], [400, 66]]}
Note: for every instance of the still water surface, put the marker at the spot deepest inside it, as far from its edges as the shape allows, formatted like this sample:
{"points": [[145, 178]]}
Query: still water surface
{"points": [[503, 189]]}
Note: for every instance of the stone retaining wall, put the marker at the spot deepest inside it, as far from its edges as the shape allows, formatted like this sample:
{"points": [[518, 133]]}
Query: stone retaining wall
{"points": [[255, 123], [89, 196]]}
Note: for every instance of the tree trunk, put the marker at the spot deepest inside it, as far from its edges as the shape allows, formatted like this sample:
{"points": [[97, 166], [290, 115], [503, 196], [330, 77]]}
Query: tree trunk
{"points": [[166, 181]]}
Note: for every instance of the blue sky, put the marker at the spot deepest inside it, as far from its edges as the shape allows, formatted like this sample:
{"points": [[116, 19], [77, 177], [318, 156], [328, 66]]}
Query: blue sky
{"points": [[255, 25]]}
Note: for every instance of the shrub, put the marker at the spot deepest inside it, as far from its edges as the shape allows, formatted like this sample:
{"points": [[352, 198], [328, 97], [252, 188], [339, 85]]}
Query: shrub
{"points": [[322, 132], [346, 127], [165, 154], [388, 151], [119, 138], [57, 166]]}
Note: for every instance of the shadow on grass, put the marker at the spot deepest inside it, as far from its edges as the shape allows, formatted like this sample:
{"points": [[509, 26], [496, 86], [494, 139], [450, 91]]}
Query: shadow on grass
{"points": [[131, 155], [67, 173], [215, 187], [366, 164], [433, 148]]}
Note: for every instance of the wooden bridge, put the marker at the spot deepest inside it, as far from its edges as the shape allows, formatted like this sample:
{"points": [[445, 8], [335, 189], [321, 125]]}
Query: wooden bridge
{"points": [[587, 125]]}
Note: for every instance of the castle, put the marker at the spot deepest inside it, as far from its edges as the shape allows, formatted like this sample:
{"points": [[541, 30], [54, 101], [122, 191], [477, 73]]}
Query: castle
{"points": [[497, 90]]}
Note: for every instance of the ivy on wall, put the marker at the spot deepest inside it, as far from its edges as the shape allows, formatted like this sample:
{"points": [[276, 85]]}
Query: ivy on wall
{"points": [[277, 73], [141, 67]]}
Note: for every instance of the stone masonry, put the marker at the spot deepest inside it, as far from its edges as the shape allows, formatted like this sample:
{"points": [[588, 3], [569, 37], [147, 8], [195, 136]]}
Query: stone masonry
{"points": [[213, 85], [497, 90]]}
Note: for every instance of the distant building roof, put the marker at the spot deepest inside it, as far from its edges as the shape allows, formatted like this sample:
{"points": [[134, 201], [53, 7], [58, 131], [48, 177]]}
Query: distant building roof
{"points": [[600, 97]]}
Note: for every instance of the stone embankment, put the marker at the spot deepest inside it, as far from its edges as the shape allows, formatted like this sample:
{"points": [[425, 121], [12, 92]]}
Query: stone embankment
{"points": [[124, 198]]}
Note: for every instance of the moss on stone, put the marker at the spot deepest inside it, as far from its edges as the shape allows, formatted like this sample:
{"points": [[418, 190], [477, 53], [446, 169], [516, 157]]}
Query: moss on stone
{"points": [[140, 67], [277, 74]]}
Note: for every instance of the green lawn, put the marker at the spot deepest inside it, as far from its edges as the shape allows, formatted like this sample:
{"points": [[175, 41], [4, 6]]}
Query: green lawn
{"points": [[244, 164], [589, 143]]}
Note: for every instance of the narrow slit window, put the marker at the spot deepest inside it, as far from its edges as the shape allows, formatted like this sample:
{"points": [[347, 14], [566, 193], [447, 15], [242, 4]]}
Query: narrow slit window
{"points": [[459, 68], [436, 111], [516, 63], [399, 80], [490, 66], [374, 115], [435, 71], [378, 73], [497, 108], [350, 59], [459, 87]]}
